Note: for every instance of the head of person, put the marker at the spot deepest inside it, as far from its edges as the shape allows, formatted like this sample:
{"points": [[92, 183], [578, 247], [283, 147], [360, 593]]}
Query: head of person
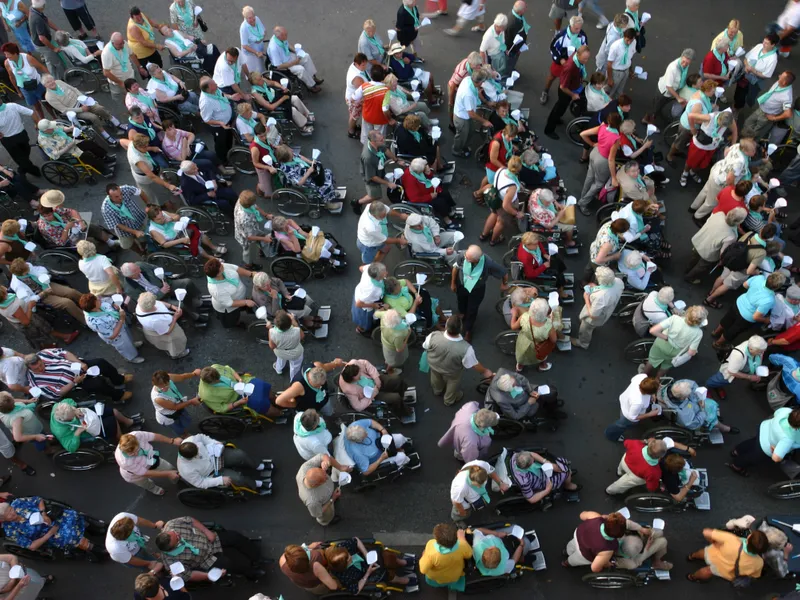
{"points": [[530, 240], [510, 131], [146, 302], [491, 557], [633, 260], [213, 268], [261, 281], [597, 80], [167, 540], [356, 434], [576, 24], [694, 81], [10, 228], [10, 50], [419, 166], [742, 188], [132, 86], [515, 164], [539, 310], [583, 53], [396, 52], [748, 146], [656, 448], [136, 14], [188, 450], [770, 41], [502, 108], [249, 15], [674, 463], [479, 76], [687, 56], [794, 419], [757, 542], [147, 586], [775, 281], [281, 33], [282, 321], [89, 302], [154, 213], [315, 477], [392, 285], [724, 120], [337, 558], [446, 535], [279, 223], [376, 138], [189, 168], [410, 123], [530, 158], [453, 326], [378, 209], [793, 295], [209, 375], [649, 385], [284, 154], [297, 559], [391, 319], [768, 231], [620, 226], [32, 361], [631, 167], [86, 249], [473, 254], [155, 71], [141, 142], [500, 22], [247, 198], [19, 267], [614, 525], [625, 103], [350, 373], [475, 60], [681, 390], [736, 216], [721, 47], [370, 27], [709, 88], [49, 82], [208, 85], [136, 114], [161, 380], [477, 476], [604, 276], [629, 36], [114, 193], [377, 271], [695, 316], [632, 5], [122, 528], [231, 55], [117, 40], [505, 383], [310, 419], [47, 127], [486, 418], [613, 120], [786, 79], [65, 413], [317, 377], [523, 296], [6, 402], [377, 72]]}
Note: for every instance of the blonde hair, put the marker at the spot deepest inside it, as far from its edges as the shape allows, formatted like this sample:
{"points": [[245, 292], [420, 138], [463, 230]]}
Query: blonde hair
{"points": [[10, 227], [515, 164], [243, 107], [695, 315], [141, 142], [369, 23], [529, 238], [247, 10], [147, 301], [247, 198], [86, 249], [129, 444]]}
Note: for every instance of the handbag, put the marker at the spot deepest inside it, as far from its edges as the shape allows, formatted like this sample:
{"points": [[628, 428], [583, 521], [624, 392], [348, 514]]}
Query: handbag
{"points": [[544, 348], [569, 215], [703, 138], [740, 581], [30, 85]]}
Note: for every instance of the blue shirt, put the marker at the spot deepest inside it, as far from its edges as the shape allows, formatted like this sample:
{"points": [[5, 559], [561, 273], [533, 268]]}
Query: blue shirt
{"points": [[757, 299], [368, 451]]}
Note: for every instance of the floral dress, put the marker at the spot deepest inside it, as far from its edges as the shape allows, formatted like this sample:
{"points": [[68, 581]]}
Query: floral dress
{"points": [[184, 19], [249, 222], [603, 236], [294, 172], [70, 526]]}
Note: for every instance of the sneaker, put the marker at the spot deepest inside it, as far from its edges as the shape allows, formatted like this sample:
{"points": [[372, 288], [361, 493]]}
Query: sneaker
{"points": [[183, 354], [602, 25], [275, 367], [544, 97], [137, 361], [138, 344], [684, 179], [658, 168]]}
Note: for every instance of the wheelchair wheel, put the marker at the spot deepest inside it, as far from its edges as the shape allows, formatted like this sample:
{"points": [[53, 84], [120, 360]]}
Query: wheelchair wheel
{"points": [[174, 266], [671, 132], [575, 127], [514, 505], [60, 174], [638, 350], [484, 585], [290, 269], [239, 158], [509, 257], [604, 212], [506, 342], [222, 427], [507, 429], [785, 490], [782, 157], [171, 176], [23, 552], [202, 498], [58, 262], [43, 409], [626, 313], [649, 502], [397, 223], [609, 581], [203, 220], [408, 269], [167, 112], [376, 337], [83, 80], [83, 459], [290, 202], [679, 434], [259, 331], [500, 306], [189, 78]]}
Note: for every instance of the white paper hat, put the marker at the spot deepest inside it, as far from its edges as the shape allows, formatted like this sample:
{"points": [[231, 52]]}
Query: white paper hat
{"points": [[117, 299], [391, 34], [552, 248], [415, 96], [702, 392], [315, 154], [669, 442], [180, 294], [344, 478], [16, 572], [261, 312], [652, 129], [771, 148], [93, 371], [781, 203], [23, 224], [99, 408], [35, 392]]}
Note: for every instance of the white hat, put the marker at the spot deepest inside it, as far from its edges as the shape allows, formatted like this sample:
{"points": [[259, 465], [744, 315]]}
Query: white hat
{"points": [[669, 442], [414, 220]]}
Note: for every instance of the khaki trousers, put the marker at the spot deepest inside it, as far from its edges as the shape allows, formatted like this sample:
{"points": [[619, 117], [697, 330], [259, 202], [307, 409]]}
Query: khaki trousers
{"points": [[65, 298], [706, 200], [151, 486], [626, 482], [449, 385]]}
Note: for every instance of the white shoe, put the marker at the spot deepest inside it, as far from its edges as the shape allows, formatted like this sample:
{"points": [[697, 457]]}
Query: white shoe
{"points": [[601, 25], [275, 367], [138, 360], [138, 344], [181, 355]]}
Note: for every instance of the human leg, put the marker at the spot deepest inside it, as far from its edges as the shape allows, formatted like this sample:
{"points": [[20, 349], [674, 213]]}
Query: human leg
{"points": [[452, 392], [616, 430], [556, 114], [438, 382]]}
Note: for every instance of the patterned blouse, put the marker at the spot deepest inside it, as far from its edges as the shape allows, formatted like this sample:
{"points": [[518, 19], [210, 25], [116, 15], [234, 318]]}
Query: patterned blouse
{"points": [[54, 144], [52, 230], [70, 526], [184, 19], [350, 577], [101, 322], [603, 236], [294, 173], [247, 223]]}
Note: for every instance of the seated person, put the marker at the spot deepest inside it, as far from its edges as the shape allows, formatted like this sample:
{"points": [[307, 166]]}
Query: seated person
{"points": [[414, 140], [305, 567], [402, 65], [271, 292], [548, 214], [37, 331], [311, 435], [72, 426], [78, 53], [535, 174], [518, 399], [141, 99], [536, 260], [503, 116], [643, 217], [195, 188], [59, 528], [495, 552], [639, 465], [419, 189], [309, 175], [205, 463], [693, 409], [179, 145], [141, 124], [444, 559], [140, 277], [402, 296], [640, 150], [595, 541], [26, 281], [785, 384], [63, 98], [518, 301], [217, 393], [758, 215], [161, 228], [269, 95], [168, 89], [56, 142], [778, 555], [658, 306], [246, 120], [638, 545], [596, 97], [187, 541], [470, 433], [399, 105], [424, 235], [290, 235], [183, 46], [347, 564], [493, 91], [638, 274], [363, 442], [677, 476], [12, 242], [309, 389], [537, 477], [15, 184], [62, 227], [359, 375]]}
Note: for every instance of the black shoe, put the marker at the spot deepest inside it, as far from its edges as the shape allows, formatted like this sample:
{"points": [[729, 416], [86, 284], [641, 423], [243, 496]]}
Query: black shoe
{"points": [[585, 211], [252, 267], [552, 135], [452, 127], [357, 207], [29, 470]]}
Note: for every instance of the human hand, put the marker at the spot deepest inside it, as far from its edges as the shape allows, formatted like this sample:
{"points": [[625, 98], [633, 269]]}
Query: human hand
{"points": [[211, 536], [392, 185], [165, 288], [159, 524], [754, 378], [503, 488], [227, 481], [450, 251], [79, 379], [692, 452], [336, 494], [40, 437], [24, 581], [174, 476]]}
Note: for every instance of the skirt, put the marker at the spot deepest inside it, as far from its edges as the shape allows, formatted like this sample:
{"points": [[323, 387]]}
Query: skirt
{"points": [[172, 343], [698, 159], [393, 358], [362, 318], [662, 352], [102, 288], [259, 400], [354, 109]]}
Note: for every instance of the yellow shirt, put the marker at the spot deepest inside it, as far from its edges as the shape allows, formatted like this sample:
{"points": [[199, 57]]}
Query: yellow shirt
{"points": [[722, 555], [444, 568], [137, 48]]}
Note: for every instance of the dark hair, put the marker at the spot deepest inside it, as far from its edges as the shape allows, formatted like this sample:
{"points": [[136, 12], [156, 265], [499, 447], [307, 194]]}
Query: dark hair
{"points": [[790, 75], [10, 47], [743, 187], [629, 34], [205, 84], [620, 226], [310, 419], [213, 267], [188, 450], [282, 320], [757, 542], [614, 120], [135, 10], [377, 73], [768, 231], [167, 123], [794, 419], [360, 57], [615, 525], [453, 325], [147, 585], [757, 202], [350, 372], [624, 100], [151, 211], [45, 210], [674, 462], [259, 128], [112, 187], [163, 541], [446, 534], [87, 302], [597, 77], [122, 529], [233, 51], [129, 82], [773, 38], [692, 79], [160, 378]]}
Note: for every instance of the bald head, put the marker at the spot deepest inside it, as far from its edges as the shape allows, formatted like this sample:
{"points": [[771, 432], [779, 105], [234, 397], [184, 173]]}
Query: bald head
{"points": [[315, 477], [520, 7], [473, 253], [280, 32], [117, 40]]}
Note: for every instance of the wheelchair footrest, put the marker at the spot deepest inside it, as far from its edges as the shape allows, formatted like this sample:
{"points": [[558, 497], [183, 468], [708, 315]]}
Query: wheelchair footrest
{"points": [[410, 397], [324, 313], [409, 419], [447, 313], [341, 193], [569, 278], [447, 178], [572, 250], [564, 345], [570, 299], [322, 332], [451, 167], [459, 212]]}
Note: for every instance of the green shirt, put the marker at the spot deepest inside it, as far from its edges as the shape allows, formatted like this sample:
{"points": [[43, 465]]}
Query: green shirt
{"points": [[217, 398]]}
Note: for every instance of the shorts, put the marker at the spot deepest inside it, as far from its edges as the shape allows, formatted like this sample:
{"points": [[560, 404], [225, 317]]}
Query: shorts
{"points": [[555, 69], [733, 279], [34, 96], [561, 13], [490, 175], [367, 252], [374, 190], [711, 566]]}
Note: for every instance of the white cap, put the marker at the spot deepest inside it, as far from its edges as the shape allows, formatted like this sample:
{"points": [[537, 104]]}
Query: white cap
{"points": [[669, 442]]}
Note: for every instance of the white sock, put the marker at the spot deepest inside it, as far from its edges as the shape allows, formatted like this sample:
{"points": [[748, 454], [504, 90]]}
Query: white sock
{"points": [[115, 121], [112, 243], [259, 483], [260, 467]]}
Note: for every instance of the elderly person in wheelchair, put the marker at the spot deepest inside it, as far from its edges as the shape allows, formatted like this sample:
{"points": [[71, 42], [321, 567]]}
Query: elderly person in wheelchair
{"points": [[420, 188], [36, 524], [691, 406], [270, 96], [659, 305], [77, 52], [362, 384], [168, 89], [216, 391], [495, 552], [246, 121], [183, 48], [550, 215], [538, 173], [347, 563], [311, 435], [74, 427], [399, 104], [537, 260], [470, 433], [140, 98], [303, 173], [537, 477], [639, 272], [414, 140], [406, 67], [165, 231], [644, 215], [57, 143], [518, 302], [401, 295], [272, 293], [204, 463], [425, 236], [517, 398], [638, 545], [369, 444], [203, 187]]}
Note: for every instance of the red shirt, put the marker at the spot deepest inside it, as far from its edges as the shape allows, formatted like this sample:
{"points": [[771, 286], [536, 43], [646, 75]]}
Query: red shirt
{"points": [[530, 267], [638, 465], [415, 190], [791, 335], [571, 77], [711, 66], [726, 201], [502, 156]]}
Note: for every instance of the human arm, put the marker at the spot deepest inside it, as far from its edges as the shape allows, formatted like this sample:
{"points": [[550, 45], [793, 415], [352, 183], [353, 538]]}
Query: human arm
{"points": [[112, 274], [587, 134], [602, 561]]}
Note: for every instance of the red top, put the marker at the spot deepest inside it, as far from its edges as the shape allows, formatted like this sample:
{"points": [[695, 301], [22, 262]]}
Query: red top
{"points": [[571, 77], [711, 66], [501, 156], [530, 267], [791, 335], [726, 201], [639, 467], [415, 190]]}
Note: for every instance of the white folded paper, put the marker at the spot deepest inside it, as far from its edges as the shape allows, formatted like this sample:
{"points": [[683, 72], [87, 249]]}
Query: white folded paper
{"points": [[516, 114], [299, 293], [209, 185], [773, 183], [524, 48], [75, 368], [214, 574], [261, 312], [517, 39], [268, 225], [117, 299], [781, 203], [771, 148], [176, 583], [659, 524], [76, 132], [159, 272], [518, 532], [368, 391], [547, 469], [552, 248], [298, 47], [386, 440], [35, 392], [93, 371], [415, 96], [30, 246], [650, 266], [719, 92], [646, 17], [372, 555], [421, 278], [315, 154], [679, 304], [651, 129], [787, 262], [638, 70], [425, 22], [99, 408], [16, 572], [325, 253], [180, 294], [625, 512], [740, 51], [267, 160], [89, 101], [571, 200], [197, 10], [392, 34], [36, 518], [642, 76], [543, 390], [762, 371], [732, 64], [99, 45], [552, 300], [649, 169], [315, 231], [629, 236], [436, 181]]}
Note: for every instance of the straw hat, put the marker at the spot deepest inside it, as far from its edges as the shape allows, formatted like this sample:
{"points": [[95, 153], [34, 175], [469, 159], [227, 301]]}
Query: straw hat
{"points": [[52, 198], [396, 48]]}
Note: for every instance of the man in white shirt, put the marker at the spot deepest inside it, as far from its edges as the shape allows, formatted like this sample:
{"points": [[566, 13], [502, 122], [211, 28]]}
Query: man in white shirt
{"points": [[299, 62], [217, 112], [465, 111], [14, 137], [425, 235], [742, 363], [372, 236], [759, 66], [26, 282], [634, 405], [600, 301], [206, 463], [671, 83], [12, 370], [614, 32], [728, 171], [125, 543], [619, 66], [119, 63], [229, 72], [774, 105], [786, 26], [311, 435], [465, 491]]}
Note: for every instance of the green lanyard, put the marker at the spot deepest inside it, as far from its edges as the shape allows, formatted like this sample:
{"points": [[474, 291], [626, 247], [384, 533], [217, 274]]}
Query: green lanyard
{"points": [[299, 162], [9, 299], [173, 391], [122, 210], [137, 539], [625, 61], [481, 431], [773, 90], [167, 81], [265, 90], [635, 17], [416, 135], [19, 69], [472, 273], [574, 38], [320, 393], [480, 489], [218, 97], [58, 91]]}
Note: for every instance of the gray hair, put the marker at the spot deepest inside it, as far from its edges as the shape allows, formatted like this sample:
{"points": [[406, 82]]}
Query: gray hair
{"points": [[575, 20], [486, 418], [793, 293], [517, 296], [721, 45], [631, 3], [62, 38], [391, 318], [376, 269], [418, 165], [539, 310], [373, 135], [278, 223], [4, 508], [628, 127], [756, 343], [188, 166], [47, 79], [246, 10], [501, 20], [86, 249], [64, 412], [604, 276], [736, 216], [260, 279], [378, 209], [475, 60], [147, 301], [682, 389], [630, 165], [309, 419], [633, 258], [656, 448], [725, 118], [116, 37], [479, 76], [524, 459], [408, 2], [151, 67], [31, 359], [666, 294], [688, 53], [355, 433], [37, 3], [506, 382], [317, 376], [530, 157], [546, 195]]}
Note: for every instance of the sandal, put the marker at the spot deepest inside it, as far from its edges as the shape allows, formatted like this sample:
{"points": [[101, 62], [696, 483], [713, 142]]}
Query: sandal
{"points": [[499, 240], [666, 246], [737, 470], [353, 135], [712, 303], [664, 255], [484, 236], [518, 368]]}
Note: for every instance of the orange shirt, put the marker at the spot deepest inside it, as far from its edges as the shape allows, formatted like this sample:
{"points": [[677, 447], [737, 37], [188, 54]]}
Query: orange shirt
{"points": [[722, 555], [372, 110]]}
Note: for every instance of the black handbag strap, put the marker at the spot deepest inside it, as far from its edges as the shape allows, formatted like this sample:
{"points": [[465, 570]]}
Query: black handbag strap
{"points": [[736, 564]]}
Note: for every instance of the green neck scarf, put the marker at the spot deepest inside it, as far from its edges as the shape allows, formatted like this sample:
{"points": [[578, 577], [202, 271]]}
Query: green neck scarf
{"points": [[775, 89], [235, 281], [320, 392], [137, 538], [684, 74], [122, 210], [481, 489], [649, 459], [186, 14], [525, 26], [145, 26], [580, 65], [281, 43], [603, 533], [182, 545], [721, 59], [9, 299], [421, 178], [414, 14], [481, 431], [264, 90], [635, 17], [253, 211], [442, 550], [472, 273], [151, 132], [301, 431]]}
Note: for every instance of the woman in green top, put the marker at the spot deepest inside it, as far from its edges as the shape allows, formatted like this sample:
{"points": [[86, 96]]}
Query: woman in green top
{"points": [[675, 336], [402, 296], [394, 340], [72, 426], [217, 393]]}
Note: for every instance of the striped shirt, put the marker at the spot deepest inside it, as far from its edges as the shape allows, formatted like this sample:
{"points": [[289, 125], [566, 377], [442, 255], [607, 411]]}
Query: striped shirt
{"points": [[56, 375], [373, 95], [112, 217]]}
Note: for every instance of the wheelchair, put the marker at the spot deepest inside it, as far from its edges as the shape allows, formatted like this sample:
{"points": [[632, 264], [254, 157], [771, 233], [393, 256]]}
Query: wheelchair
{"points": [[295, 87], [293, 269], [790, 488], [239, 155], [617, 579], [176, 261], [214, 497], [513, 502], [92, 455], [419, 330], [234, 423], [68, 171], [169, 110], [431, 264], [294, 201], [693, 438], [378, 410], [409, 208], [285, 124], [59, 261], [188, 70], [87, 78], [258, 328], [657, 502], [95, 528]]}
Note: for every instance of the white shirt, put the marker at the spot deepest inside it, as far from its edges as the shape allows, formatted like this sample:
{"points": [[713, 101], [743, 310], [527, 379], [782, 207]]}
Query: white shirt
{"points": [[223, 72], [460, 489], [173, 46], [156, 85], [155, 322], [370, 232], [213, 109], [764, 65], [366, 292], [311, 445], [790, 17], [612, 35], [243, 127], [119, 550], [652, 311], [466, 99], [671, 78], [20, 288], [491, 41], [224, 294], [11, 118], [469, 360], [616, 54], [110, 60], [504, 183], [736, 362], [277, 54], [200, 470], [778, 102], [349, 88], [75, 55], [632, 402], [419, 241], [163, 415], [12, 368], [95, 268]]}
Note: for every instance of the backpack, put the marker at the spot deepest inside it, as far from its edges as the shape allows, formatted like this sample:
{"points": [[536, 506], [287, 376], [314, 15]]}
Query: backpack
{"points": [[734, 257], [492, 196]]}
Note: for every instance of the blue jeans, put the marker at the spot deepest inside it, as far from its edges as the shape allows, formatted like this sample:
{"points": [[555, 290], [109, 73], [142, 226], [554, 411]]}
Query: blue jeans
{"points": [[160, 159], [617, 428], [717, 380], [143, 555], [180, 423], [791, 173], [367, 252]]}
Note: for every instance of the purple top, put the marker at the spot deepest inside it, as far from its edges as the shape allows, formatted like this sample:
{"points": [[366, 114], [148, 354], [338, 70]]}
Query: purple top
{"points": [[463, 438]]}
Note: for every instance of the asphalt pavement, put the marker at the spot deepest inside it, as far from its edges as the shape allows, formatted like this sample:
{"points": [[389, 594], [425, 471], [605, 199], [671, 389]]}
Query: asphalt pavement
{"points": [[590, 381]]}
